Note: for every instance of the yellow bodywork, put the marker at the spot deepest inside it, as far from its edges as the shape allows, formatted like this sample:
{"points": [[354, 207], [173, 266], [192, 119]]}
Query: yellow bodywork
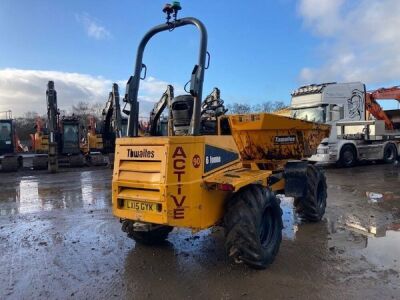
{"points": [[171, 175], [95, 141], [285, 112], [40, 142], [184, 181]]}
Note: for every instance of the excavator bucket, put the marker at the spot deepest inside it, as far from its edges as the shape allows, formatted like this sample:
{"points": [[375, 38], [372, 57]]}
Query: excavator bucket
{"points": [[261, 137]]}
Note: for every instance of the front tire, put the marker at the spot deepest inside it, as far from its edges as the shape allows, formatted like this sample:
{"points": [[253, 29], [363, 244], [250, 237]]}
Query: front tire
{"points": [[311, 207], [253, 227], [348, 156], [389, 154]]}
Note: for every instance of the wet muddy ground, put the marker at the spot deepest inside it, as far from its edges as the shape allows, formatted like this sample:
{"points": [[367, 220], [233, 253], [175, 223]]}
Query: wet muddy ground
{"points": [[58, 239]]}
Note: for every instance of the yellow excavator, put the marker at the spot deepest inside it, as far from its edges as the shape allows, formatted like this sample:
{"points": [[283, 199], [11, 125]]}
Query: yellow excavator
{"points": [[197, 178]]}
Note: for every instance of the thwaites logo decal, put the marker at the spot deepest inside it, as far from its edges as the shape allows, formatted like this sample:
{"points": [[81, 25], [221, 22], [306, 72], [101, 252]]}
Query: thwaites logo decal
{"points": [[284, 139], [216, 157], [179, 166], [144, 153]]}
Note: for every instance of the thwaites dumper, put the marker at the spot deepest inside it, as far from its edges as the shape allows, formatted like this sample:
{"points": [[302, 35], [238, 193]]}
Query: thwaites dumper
{"points": [[230, 178]]}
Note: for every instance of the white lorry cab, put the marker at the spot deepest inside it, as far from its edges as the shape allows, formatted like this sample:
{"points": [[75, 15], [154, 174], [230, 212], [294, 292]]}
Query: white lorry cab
{"points": [[355, 134]]}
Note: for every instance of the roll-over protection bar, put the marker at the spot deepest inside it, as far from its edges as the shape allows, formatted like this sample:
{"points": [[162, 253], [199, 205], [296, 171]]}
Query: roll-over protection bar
{"points": [[196, 85]]}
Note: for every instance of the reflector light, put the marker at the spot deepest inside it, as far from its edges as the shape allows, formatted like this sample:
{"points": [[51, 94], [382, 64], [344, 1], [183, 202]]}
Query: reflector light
{"points": [[226, 187]]}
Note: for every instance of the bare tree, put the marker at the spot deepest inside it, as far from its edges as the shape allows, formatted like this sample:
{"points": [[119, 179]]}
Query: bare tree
{"points": [[81, 109], [263, 107], [278, 105], [97, 109], [239, 108]]}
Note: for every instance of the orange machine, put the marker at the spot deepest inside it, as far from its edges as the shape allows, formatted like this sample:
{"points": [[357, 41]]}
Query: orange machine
{"points": [[375, 109], [40, 139]]}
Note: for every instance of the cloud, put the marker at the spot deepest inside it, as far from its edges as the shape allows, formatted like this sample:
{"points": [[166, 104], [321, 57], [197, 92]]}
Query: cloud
{"points": [[92, 27], [321, 15], [360, 40], [25, 90]]}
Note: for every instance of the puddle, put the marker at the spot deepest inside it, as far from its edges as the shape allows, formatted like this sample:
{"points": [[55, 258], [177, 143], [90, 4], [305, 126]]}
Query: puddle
{"points": [[375, 238], [384, 252], [379, 197], [29, 194], [289, 218]]}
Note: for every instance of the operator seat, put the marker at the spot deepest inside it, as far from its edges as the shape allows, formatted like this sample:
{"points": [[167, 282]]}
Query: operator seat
{"points": [[182, 111]]}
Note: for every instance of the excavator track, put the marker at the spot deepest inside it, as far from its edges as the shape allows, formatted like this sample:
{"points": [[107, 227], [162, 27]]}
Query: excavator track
{"points": [[9, 164]]}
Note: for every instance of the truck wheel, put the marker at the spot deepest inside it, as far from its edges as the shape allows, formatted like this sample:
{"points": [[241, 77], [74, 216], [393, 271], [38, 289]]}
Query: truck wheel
{"points": [[9, 164], [155, 236], [311, 207], [390, 154], [348, 156], [253, 227]]}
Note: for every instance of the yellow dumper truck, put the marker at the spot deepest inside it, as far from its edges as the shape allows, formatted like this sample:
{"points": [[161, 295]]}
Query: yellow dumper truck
{"points": [[229, 177]]}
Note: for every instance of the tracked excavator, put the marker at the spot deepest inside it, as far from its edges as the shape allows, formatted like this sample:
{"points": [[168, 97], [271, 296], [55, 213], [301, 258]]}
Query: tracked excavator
{"points": [[13, 154], [10, 161], [63, 135], [213, 169]]}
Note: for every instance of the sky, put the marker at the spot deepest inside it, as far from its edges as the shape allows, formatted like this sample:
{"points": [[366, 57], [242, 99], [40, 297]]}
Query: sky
{"points": [[260, 50]]}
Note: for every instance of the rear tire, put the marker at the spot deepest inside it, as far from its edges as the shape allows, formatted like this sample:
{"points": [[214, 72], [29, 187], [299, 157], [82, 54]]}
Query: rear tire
{"points": [[253, 227], [390, 154], [348, 156], [311, 207], [156, 236]]}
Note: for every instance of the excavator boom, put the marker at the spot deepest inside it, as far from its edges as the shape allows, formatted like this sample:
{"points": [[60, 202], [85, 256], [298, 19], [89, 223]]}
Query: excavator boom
{"points": [[375, 109], [112, 126]]}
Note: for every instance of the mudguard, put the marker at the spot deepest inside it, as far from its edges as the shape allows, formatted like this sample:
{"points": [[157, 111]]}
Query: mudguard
{"points": [[295, 174]]}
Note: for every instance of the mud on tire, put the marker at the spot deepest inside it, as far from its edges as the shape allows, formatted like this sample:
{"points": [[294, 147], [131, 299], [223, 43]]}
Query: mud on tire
{"points": [[253, 226], [311, 207], [153, 237]]}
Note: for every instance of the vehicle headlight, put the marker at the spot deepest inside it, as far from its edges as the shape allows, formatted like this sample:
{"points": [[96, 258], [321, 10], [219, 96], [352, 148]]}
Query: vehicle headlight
{"points": [[322, 151]]}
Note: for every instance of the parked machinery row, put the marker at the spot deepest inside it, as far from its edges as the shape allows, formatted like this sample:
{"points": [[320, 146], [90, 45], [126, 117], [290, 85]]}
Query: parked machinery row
{"points": [[13, 153], [63, 141]]}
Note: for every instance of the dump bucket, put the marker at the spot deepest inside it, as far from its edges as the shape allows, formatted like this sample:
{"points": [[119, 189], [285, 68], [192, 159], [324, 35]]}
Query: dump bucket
{"points": [[263, 136]]}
